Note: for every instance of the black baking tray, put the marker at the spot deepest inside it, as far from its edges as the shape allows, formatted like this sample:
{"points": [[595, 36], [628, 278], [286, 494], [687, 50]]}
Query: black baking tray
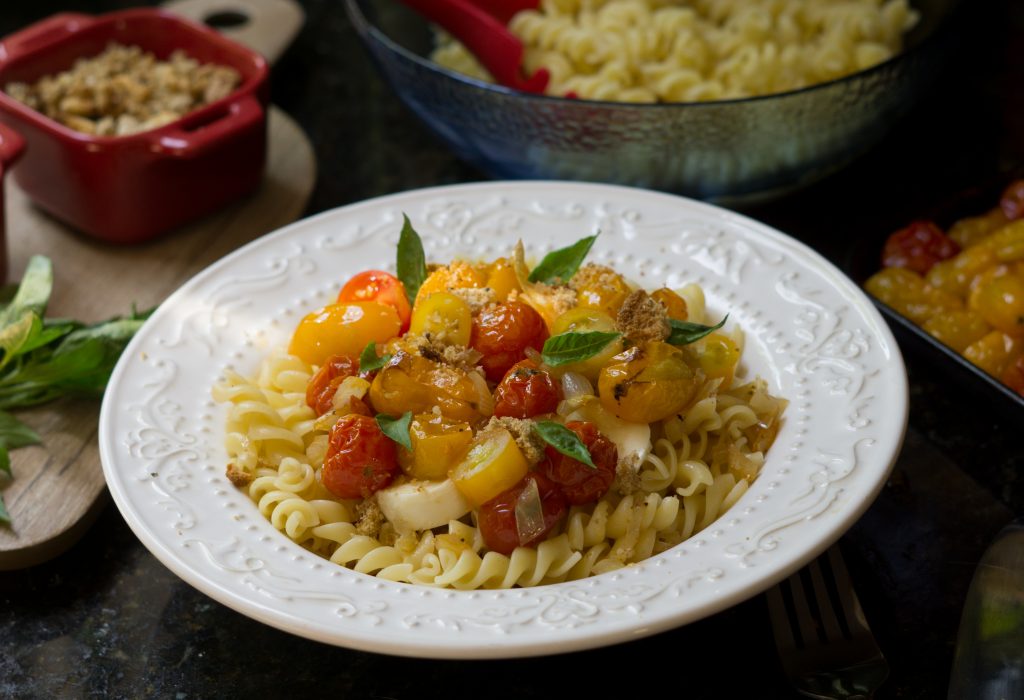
{"points": [[865, 260]]}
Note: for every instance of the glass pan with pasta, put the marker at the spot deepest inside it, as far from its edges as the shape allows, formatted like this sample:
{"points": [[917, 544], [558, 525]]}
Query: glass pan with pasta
{"points": [[485, 425], [696, 50]]}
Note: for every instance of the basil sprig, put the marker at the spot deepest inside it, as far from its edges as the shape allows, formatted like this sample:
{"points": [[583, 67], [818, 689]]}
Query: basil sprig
{"points": [[411, 264], [560, 265], [368, 360], [396, 428], [575, 347], [42, 359], [685, 332], [564, 440]]}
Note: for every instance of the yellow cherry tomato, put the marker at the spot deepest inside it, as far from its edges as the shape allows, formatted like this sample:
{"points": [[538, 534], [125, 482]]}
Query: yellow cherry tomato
{"points": [[717, 355], [457, 275], [582, 319], [445, 317], [647, 384], [494, 463], [437, 443], [343, 329], [674, 304], [600, 287], [998, 296], [501, 278], [994, 352], [957, 329], [415, 383]]}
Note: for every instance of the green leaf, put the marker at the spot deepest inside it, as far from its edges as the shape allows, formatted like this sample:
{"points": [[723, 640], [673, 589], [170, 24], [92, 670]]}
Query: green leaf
{"points": [[564, 440], [560, 265], [368, 360], [14, 335], [34, 291], [684, 332], [396, 428], [575, 347], [5, 517], [412, 261], [5, 466], [14, 433]]}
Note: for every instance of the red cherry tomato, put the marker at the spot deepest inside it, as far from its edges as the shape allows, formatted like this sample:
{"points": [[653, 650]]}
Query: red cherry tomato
{"points": [[360, 460], [381, 287], [577, 481], [918, 247], [526, 391], [497, 518], [501, 333], [323, 385], [1012, 201]]}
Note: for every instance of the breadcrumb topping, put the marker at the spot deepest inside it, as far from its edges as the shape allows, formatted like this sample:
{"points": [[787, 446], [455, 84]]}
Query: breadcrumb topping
{"points": [[478, 298], [369, 517], [527, 440], [238, 476], [457, 356], [593, 275], [642, 319], [627, 475]]}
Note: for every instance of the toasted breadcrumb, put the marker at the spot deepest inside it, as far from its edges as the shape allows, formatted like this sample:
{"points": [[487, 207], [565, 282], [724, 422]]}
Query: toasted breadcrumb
{"points": [[238, 476], [593, 275], [478, 298], [627, 475], [369, 517], [523, 433], [457, 356], [642, 319]]}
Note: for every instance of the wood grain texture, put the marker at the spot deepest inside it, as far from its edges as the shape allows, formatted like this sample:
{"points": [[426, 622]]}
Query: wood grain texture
{"points": [[58, 487]]}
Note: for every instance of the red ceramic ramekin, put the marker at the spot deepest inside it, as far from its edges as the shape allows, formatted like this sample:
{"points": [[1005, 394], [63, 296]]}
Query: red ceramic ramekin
{"points": [[126, 189]]}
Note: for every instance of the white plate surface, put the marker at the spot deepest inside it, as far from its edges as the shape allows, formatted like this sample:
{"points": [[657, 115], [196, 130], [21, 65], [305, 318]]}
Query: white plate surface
{"points": [[810, 332]]}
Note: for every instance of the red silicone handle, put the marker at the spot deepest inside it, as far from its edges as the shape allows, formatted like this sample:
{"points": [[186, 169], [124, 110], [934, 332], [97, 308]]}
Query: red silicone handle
{"points": [[186, 142], [495, 47], [504, 10], [42, 33], [11, 147]]}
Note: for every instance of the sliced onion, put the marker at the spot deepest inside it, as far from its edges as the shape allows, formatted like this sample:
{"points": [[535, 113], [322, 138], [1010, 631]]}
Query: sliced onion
{"points": [[485, 401], [529, 513], [575, 385]]}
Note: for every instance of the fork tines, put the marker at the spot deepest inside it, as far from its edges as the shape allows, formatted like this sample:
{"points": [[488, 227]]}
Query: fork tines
{"points": [[821, 633]]}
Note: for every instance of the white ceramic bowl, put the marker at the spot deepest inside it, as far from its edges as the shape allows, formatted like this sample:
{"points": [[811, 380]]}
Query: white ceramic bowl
{"points": [[810, 332]]}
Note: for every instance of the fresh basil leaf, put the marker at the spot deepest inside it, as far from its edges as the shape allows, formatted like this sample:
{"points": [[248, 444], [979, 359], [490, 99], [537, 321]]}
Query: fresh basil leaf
{"points": [[396, 428], [564, 440], [560, 265], [5, 466], [411, 264], [14, 335], [15, 434], [34, 291], [5, 517], [368, 360], [575, 347], [684, 332]]}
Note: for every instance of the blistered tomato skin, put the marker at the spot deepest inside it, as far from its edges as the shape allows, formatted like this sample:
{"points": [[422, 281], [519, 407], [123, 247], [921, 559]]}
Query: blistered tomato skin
{"points": [[578, 482], [526, 391], [501, 333], [360, 459], [918, 247], [323, 385], [381, 287], [497, 517], [343, 329]]}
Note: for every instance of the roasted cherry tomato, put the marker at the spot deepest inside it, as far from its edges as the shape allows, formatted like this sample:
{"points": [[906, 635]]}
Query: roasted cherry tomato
{"points": [[501, 333], [497, 517], [343, 329], [526, 391], [674, 304], [918, 247], [1013, 375], [361, 460], [322, 385], [1012, 201], [381, 287], [579, 482], [648, 384]]}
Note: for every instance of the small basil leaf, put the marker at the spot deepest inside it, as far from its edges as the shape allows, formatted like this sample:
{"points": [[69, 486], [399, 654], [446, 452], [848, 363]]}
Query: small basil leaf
{"points": [[5, 468], [411, 264], [396, 428], [575, 347], [15, 434], [34, 291], [564, 440], [684, 332], [560, 265], [368, 360]]}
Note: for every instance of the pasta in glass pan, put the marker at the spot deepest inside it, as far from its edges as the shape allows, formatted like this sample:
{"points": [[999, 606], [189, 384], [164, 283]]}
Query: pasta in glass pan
{"points": [[807, 332]]}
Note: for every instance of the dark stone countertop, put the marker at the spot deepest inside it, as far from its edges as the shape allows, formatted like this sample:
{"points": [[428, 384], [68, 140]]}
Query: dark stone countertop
{"points": [[106, 619]]}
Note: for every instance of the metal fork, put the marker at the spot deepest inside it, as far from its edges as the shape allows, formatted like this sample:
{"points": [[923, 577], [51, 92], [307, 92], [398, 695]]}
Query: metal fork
{"points": [[823, 639]]}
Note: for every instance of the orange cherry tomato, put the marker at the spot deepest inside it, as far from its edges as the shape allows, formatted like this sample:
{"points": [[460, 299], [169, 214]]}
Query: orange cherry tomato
{"points": [[343, 329], [578, 482], [497, 517], [361, 459], [526, 391], [323, 385], [1013, 375], [381, 287], [918, 247], [501, 333]]}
